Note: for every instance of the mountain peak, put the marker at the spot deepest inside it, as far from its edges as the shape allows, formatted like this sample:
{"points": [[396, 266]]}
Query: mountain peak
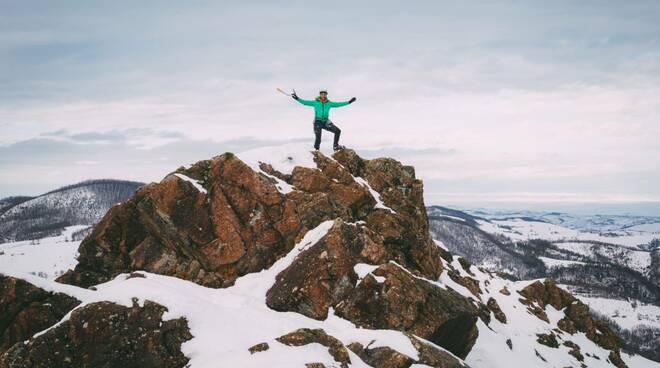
{"points": [[288, 257], [231, 215]]}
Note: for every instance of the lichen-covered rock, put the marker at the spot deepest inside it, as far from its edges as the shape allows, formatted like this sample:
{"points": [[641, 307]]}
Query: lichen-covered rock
{"points": [[406, 303], [468, 282], [306, 336], [259, 348], [615, 358], [495, 308], [323, 275], [432, 356], [239, 223], [548, 339], [381, 356], [547, 293], [26, 309], [386, 357], [575, 350], [576, 314], [235, 221], [105, 334]]}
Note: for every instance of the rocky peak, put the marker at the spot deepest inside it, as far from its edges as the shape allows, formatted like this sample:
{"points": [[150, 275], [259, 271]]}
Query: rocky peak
{"points": [[297, 259], [223, 218]]}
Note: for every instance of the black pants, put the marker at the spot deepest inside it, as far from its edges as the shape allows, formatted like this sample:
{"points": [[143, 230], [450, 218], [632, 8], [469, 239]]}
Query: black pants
{"points": [[326, 124]]}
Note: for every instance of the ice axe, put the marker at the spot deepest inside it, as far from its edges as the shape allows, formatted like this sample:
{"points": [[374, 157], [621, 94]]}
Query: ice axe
{"points": [[284, 93]]}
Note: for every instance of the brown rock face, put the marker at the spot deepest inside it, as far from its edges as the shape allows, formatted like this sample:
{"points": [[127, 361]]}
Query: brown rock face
{"points": [[26, 309], [497, 311], [106, 335], [305, 336], [547, 292], [406, 303], [575, 350], [385, 357], [323, 275], [577, 317], [615, 358], [549, 339], [243, 224]]}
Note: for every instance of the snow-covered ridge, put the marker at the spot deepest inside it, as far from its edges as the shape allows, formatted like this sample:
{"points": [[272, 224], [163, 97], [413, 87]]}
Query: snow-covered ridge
{"points": [[47, 215]]}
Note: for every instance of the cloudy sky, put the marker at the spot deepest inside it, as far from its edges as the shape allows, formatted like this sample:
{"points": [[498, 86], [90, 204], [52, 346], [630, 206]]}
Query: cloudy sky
{"points": [[493, 101]]}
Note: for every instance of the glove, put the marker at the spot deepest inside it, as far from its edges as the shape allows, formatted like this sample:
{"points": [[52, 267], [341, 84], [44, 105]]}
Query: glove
{"points": [[294, 96], [351, 100]]}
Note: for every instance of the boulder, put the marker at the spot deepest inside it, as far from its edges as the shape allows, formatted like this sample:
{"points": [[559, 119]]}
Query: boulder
{"points": [[219, 219], [406, 303], [323, 275], [576, 314], [306, 336], [386, 357], [26, 309], [105, 334]]}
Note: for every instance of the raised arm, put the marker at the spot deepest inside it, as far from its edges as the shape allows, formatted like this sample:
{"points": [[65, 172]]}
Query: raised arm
{"points": [[305, 102], [340, 104]]}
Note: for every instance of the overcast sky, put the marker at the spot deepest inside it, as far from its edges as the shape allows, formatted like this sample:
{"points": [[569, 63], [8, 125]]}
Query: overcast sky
{"points": [[493, 101]]}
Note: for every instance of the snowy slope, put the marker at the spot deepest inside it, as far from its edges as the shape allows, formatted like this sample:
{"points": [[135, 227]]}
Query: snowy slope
{"points": [[523, 229], [48, 257], [591, 223], [628, 314], [226, 322], [491, 349], [608, 263]]}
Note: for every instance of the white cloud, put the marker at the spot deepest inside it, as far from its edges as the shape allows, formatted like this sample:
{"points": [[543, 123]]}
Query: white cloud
{"points": [[490, 97]]}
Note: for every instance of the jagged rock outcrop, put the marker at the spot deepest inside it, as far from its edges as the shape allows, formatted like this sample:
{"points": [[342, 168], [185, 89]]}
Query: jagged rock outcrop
{"points": [[576, 315], [239, 222], [404, 302], [363, 254], [26, 309], [105, 334], [385, 357], [323, 275], [235, 221], [306, 336]]}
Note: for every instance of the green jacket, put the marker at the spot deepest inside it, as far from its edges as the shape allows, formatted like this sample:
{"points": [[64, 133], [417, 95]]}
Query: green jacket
{"points": [[321, 109]]}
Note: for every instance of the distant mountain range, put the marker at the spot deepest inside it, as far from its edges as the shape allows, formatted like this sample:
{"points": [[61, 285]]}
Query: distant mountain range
{"points": [[26, 218], [607, 260]]}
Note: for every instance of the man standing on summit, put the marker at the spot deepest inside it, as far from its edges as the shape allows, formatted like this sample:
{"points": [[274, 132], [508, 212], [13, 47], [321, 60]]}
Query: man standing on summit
{"points": [[322, 107]]}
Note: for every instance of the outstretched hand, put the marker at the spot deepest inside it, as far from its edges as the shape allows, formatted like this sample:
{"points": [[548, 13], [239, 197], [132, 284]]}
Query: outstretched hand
{"points": [[351, 100], [294, 96]]}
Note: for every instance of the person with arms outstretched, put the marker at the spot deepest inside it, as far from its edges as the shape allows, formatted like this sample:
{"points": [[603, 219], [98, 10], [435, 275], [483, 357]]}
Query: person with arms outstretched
{"points": [[322, 108]]}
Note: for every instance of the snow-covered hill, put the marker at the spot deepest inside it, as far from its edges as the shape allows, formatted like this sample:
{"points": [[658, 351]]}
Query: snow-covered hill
{"points": [[225, 323], [608, 263], [24, 218]]}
